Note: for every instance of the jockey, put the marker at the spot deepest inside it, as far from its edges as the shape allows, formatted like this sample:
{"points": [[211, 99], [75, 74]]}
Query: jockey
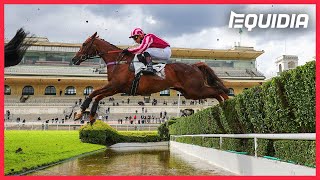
{"points": [[151, 46]]}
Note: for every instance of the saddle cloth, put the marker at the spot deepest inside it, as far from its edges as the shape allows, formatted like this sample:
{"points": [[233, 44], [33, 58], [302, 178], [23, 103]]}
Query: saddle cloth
{"points": [[159, 68]]}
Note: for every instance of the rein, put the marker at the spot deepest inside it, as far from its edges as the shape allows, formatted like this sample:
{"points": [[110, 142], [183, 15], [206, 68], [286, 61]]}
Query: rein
{"points": [[119, 58]]}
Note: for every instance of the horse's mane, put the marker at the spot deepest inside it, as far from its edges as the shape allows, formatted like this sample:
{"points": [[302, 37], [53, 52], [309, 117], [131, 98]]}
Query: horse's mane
{"points": [[108, 43]]}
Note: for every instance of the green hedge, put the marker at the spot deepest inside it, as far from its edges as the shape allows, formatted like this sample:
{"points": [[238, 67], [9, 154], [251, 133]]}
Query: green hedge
{"points": [[299, 87], [139, 136], [284, 104], [104, 134], [296, 151], [278, 117], [99, 133]]}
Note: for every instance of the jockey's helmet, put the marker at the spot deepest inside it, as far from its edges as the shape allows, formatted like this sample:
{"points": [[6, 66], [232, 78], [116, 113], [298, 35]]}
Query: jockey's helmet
{"points": [[135, 32]]}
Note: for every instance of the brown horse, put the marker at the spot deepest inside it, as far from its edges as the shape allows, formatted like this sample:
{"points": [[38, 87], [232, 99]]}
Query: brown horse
{"points": [[197, 81]]}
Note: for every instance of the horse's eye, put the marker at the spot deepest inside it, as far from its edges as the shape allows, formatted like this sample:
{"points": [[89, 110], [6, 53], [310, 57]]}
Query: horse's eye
{"points": [[84, 44]]}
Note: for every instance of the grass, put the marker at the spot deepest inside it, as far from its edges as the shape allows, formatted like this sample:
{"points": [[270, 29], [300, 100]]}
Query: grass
{"points": [[26, 150]]}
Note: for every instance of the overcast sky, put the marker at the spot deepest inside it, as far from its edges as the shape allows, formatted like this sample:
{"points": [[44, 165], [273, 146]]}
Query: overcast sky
{"points": [[187, 26]]}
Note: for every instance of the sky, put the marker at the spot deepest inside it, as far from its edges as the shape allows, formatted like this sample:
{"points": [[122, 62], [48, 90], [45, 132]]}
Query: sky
{"points": [[183, 26]]}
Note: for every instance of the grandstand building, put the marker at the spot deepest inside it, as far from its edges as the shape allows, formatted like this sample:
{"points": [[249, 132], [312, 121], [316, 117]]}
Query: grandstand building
{"points": [[46, 70]]}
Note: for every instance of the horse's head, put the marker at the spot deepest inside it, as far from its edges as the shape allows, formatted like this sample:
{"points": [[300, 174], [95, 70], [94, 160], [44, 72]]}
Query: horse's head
{"points": [[87, 51]]}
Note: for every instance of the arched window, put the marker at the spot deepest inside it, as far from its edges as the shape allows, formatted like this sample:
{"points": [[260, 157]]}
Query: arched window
{"points": [[231, 92], [291, 65], [28, 90], [70, 90], [87, 90], [50, 90], [7, 90], [280, 68]]}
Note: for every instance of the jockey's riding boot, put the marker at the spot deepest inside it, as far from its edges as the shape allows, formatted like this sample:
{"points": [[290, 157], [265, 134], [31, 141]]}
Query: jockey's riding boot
{"points": [[148, 58], [141, 58]]}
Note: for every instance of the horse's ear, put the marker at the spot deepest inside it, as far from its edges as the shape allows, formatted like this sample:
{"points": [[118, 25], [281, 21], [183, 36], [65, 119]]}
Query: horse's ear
{"points": [[94, 35]]}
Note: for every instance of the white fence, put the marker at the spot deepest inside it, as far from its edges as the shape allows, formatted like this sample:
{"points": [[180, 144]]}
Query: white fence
{"points": [[70, 126], [289, 136]]}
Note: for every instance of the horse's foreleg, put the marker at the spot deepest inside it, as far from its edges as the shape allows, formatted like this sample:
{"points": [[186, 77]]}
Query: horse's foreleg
{"points": [[87, 101], [94, 107]]}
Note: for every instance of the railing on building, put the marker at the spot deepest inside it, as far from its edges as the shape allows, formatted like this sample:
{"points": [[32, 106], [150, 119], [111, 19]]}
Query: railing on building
{"points": [[284, 136], [71, 126]]}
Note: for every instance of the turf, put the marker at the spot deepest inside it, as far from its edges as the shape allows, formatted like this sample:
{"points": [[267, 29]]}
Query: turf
{"points": [[25, 150]]}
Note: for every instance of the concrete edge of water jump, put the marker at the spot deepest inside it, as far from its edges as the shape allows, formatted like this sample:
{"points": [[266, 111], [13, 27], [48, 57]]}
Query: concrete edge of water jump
{"points": [[138, 145], [243, 164]]}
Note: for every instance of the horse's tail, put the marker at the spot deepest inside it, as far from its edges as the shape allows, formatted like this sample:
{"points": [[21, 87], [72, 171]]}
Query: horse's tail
{"points": [[16, 48], [211, 78]]}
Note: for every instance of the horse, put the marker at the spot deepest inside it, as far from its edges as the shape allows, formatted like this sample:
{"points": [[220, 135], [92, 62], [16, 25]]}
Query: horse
{"points": [[195, 81], [16, 48]]}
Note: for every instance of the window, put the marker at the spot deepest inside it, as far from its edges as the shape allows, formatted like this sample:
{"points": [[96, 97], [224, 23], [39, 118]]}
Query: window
{"points": [[88, 90], [28, 90], [50, 90], [70, 90], [7, 90], [231, 92], [165, 92], [280, 68]]}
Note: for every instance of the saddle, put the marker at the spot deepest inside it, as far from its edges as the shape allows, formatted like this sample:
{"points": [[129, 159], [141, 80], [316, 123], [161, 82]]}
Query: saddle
{"points": [[137, 67], [158, 67]]}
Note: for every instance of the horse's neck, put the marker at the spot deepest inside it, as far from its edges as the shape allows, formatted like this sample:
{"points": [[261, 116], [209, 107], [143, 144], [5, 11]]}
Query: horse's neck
{"points": [[105, 48]]}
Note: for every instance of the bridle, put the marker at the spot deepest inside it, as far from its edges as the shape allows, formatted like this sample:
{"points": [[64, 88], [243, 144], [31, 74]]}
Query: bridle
{"points": [[86, 55]]}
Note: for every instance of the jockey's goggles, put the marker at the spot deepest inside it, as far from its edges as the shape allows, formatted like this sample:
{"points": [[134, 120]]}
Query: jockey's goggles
{"points": [[135, 37]]}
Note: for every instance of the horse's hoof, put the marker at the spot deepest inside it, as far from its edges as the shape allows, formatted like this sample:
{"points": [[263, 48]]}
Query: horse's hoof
{"points": [[92, 122], [78, 115]]}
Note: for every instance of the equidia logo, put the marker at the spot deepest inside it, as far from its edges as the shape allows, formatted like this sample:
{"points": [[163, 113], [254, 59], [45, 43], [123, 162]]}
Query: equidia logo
{"points": [[280, 21]]}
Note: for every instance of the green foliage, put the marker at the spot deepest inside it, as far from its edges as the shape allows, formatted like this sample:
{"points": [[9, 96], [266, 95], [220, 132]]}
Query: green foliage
{"points": [[232, 124], [163, 130], [239, 145], [99, 133], [211, 142], [138, 136], [242, 114], [253, 103], [104, 134], [278, 117], [297, 151], [299, 87]]}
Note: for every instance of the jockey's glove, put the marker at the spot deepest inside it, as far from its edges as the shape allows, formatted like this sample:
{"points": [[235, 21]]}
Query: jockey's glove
{"points": [[126, 51]]}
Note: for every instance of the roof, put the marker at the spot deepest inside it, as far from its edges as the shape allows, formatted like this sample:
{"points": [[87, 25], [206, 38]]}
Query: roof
{"points": [[237, 52]]}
